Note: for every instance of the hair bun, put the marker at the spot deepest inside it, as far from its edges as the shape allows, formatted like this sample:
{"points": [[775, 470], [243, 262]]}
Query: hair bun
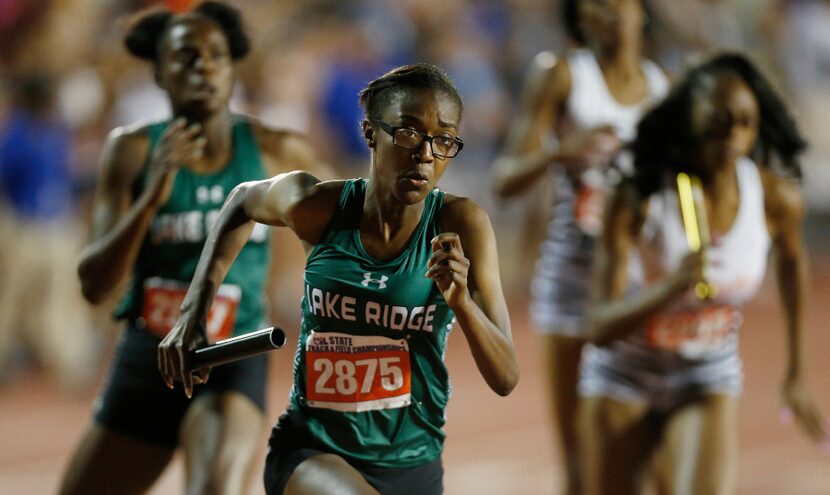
{"points": [[145, 31]]}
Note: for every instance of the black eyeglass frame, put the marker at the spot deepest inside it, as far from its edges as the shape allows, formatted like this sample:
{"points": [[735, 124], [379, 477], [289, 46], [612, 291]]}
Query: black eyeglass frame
{"points": [[392, 130]]}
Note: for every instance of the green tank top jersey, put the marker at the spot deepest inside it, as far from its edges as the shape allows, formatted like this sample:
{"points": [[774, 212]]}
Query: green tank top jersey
{"points": [[370, 382], [171, 248]]}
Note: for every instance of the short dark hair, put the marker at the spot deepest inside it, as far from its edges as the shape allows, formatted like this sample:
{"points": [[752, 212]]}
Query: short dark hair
{"points": [[33, 91], [377, 95], [149, 27], [664, 136], [570, 19]]}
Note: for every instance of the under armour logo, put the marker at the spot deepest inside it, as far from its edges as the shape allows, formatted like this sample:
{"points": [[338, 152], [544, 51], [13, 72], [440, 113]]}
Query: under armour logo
{"points": [[367, 279]]}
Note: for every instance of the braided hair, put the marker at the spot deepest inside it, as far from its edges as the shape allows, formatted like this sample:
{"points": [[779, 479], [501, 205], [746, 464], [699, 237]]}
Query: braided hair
{"points": [[665, 142], [149, 28]]}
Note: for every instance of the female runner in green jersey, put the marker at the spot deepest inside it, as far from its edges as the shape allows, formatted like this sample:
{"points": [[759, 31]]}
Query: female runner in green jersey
{"points": [[391, 262], [160, 186]]}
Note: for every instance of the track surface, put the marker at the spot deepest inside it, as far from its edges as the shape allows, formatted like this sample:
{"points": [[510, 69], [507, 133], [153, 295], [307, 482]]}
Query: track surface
{"points": [[495, 445]]}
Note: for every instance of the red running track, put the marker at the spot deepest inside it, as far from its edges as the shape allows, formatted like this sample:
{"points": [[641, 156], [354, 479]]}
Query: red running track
{"points": [[495, 445]]}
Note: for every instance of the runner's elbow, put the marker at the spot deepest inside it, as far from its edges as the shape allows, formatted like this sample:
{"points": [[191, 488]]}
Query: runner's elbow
{"points": [[92, 292], [88, 287], [502, 185], [96, 284], [597, 332], [506, 383]]}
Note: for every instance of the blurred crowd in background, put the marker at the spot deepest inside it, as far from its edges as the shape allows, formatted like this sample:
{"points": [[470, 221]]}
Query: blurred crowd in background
{"points": [[66, 80]]}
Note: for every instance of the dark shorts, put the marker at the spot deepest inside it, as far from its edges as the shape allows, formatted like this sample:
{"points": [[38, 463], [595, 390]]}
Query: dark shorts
{"points": [[289, 447], [137, 403]]}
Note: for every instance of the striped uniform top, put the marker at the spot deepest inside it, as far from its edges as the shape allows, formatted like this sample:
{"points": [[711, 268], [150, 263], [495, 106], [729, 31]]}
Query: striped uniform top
{"points": [[561, 285]]}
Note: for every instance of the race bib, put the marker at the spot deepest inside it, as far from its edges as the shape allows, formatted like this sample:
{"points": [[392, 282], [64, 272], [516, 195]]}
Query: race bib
{"points": [[693, 332], [356, 373], [588, 209], [162, 305]]}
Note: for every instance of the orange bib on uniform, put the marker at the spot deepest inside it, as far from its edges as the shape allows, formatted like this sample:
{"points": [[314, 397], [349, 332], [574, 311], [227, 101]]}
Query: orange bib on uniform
{"points": [[163, 300], [357, 372], [693, 330], [588, 207]]}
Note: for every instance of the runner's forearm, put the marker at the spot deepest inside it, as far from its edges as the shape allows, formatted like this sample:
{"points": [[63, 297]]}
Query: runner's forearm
{"points": [[108, 261]]}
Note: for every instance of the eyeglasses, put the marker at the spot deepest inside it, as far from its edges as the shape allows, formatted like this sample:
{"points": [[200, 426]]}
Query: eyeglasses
{"points": [[408, 138]]}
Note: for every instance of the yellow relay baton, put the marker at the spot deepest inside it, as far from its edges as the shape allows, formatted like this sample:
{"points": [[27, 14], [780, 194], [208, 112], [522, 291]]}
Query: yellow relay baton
{"points": [[695, 223]]}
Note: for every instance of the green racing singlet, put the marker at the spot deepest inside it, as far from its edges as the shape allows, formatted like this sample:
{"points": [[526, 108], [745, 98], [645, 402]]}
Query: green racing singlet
{"points": [[370, 383], [174, 241]]}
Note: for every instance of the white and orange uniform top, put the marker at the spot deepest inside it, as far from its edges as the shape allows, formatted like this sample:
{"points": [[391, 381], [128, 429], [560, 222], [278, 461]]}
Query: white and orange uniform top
{"points": [[691, 336], [560, 288]]}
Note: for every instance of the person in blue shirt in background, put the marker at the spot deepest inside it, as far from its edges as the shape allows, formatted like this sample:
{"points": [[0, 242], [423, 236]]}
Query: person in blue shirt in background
{"points": [[40, 304]]}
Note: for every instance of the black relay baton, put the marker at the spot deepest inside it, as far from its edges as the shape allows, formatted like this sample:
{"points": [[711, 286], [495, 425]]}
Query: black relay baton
{"points": [[236, 348]]}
